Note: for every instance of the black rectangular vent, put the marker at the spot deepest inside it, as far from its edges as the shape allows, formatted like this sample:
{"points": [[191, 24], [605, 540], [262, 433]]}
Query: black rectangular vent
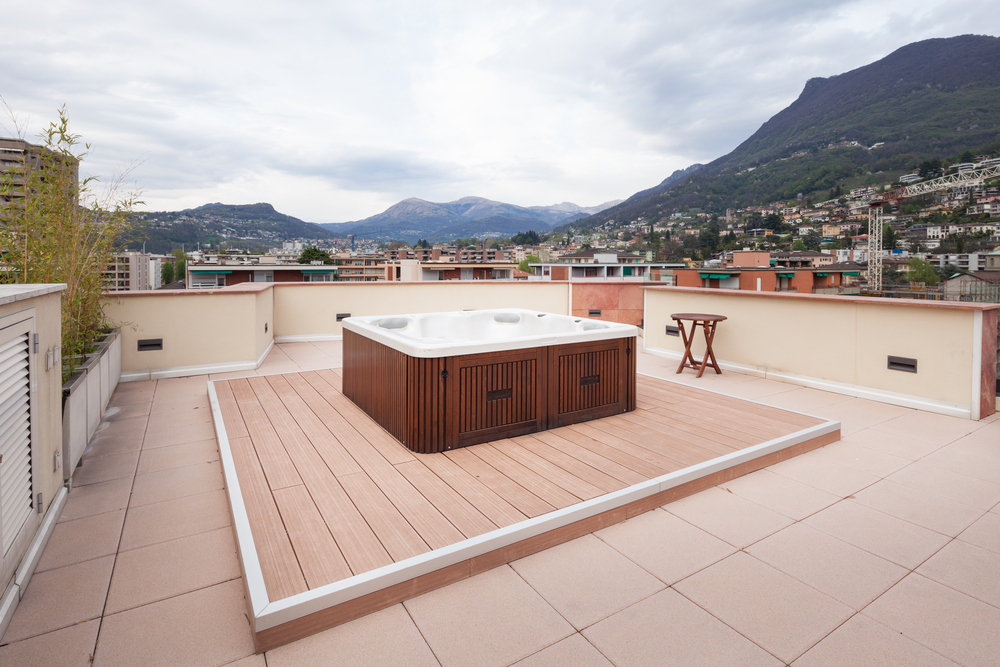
{"points": [[673, 331], [594, 312], [150, 344], [341, 316], [902, 364]]}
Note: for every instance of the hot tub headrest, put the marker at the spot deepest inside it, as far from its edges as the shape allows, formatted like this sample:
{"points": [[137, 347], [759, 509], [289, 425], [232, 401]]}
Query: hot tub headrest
{"points": [[507, 318], [590, 326], [394, 323]]}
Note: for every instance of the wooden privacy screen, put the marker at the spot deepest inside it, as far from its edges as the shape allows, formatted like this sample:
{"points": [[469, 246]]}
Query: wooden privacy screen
{"points": [[431, 405]]}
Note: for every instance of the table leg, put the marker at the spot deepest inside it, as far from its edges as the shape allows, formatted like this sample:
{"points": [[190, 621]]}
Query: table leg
{"points": [[688, 340], [709, 354]]}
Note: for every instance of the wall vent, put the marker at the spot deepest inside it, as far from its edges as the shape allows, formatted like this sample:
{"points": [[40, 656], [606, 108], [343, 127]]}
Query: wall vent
{"points": [[902, 364], [673, 331], [594, 312], [341, 316], [150, 344]]}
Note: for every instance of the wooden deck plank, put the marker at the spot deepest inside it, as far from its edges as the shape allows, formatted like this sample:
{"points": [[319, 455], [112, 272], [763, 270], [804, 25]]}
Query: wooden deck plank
{"points": [[393, 531], [642, 459], [574, 466], [685, 447], [495, 454], [735, 434], [231, 417], [428, 521], [318, 555], [574, 484], [273, 456], [462, 514], [526, 502], [282, 574], [480, 496], [377, 437], [332, 451], [558, 440]]}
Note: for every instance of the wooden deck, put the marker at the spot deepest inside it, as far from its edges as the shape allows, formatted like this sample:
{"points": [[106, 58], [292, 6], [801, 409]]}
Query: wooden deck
{"points": [[320, 494]]}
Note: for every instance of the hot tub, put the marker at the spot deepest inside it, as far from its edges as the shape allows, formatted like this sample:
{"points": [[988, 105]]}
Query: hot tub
{"points": [[438, 381]]}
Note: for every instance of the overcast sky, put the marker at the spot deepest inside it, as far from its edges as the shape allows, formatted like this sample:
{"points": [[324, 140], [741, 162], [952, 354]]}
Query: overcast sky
{"points": [[334, 111]]}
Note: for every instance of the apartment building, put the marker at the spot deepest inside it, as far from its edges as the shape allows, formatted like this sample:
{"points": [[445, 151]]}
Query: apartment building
{"points": [[132, 271]]}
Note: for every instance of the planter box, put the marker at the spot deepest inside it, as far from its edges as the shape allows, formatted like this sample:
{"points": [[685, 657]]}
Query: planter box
{"points": [[86, 395]]}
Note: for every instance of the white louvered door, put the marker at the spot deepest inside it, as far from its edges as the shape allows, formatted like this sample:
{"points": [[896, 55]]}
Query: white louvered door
{"points": [[17, 508]]}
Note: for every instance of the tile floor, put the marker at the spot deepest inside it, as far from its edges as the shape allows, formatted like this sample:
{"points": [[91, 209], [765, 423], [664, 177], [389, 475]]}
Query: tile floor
{"points": [[881, 549]]}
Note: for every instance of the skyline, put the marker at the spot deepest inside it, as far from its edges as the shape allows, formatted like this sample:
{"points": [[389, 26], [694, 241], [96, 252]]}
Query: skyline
{"points": [[335, 113]]}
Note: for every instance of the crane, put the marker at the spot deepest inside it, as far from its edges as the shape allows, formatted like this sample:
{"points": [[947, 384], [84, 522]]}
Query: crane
{"points": [[975, 176]]}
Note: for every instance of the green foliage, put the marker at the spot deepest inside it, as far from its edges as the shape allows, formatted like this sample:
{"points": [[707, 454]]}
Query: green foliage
{"points": [[167, 273], [180, 264], [528, 260], [422, 243], [922, 271], [61, 231], [798, 245], [314, 254], [526, 238]]}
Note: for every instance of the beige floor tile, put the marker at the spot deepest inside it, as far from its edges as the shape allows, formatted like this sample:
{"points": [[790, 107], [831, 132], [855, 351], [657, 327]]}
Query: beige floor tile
{"points": [[665, 545], [127, 411], [206, 627], [178, 435], [586, 580], [173, 388], [166, 569], [942, 619], [862, 641], [171, 519], [889, 537], [924, 476], [83, 539], [96, 469], [804, 399], [169, 419], [232, 375], [492, 619], [256, 660], [574, 650], [922, 508], [97, 498], [754, 389], [984, 533], [183, 405], [842, 571], [850, 453], [729, 517], [966, 568], [897, 444], [859, 414], [920, 424], [820, 473], [387, 637], [781, 494], [130, 393], [178, 456], [69, 647], [970, 456], [668, 629], [778, 613], [156, 487], [103, 444], [61, 598], [125, 427]]}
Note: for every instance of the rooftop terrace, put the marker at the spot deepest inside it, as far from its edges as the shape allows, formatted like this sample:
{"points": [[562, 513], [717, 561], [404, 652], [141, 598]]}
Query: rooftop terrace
{"points": [[879, 549]]}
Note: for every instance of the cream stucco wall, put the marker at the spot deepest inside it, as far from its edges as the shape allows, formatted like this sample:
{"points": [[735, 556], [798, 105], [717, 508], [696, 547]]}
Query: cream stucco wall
{"points": [[838, 340], [310, 309], [213, 329]]}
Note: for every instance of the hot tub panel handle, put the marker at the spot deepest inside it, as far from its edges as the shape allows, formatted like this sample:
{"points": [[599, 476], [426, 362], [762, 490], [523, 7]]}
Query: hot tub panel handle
{"points": [[444, 375]]}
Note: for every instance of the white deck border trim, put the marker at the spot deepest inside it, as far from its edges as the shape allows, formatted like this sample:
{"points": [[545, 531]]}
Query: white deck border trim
{"points": [[201, 369], [857, 391], [268, 614]]}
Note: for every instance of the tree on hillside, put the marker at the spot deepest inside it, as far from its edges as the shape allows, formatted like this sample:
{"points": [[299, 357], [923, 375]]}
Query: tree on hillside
{"points": [[922, 271], [167, 273], [798, 245], [314, 254], [523, 266], [526, 238]]}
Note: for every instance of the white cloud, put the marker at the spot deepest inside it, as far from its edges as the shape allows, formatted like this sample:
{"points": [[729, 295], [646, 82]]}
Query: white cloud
{"points": [[333, 112]]}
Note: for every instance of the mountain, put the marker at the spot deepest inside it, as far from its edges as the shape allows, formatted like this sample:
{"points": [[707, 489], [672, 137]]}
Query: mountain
{"points": [[243, 226], [413, 219], [932, 99]]}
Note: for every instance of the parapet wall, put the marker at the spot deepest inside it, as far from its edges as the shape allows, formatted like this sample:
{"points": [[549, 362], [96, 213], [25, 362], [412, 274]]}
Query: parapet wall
{"points": [[842, 344]]}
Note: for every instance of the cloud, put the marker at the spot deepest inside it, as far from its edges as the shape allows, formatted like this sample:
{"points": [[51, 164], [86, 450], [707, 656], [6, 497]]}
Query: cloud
{"points": [[334, 111]]}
